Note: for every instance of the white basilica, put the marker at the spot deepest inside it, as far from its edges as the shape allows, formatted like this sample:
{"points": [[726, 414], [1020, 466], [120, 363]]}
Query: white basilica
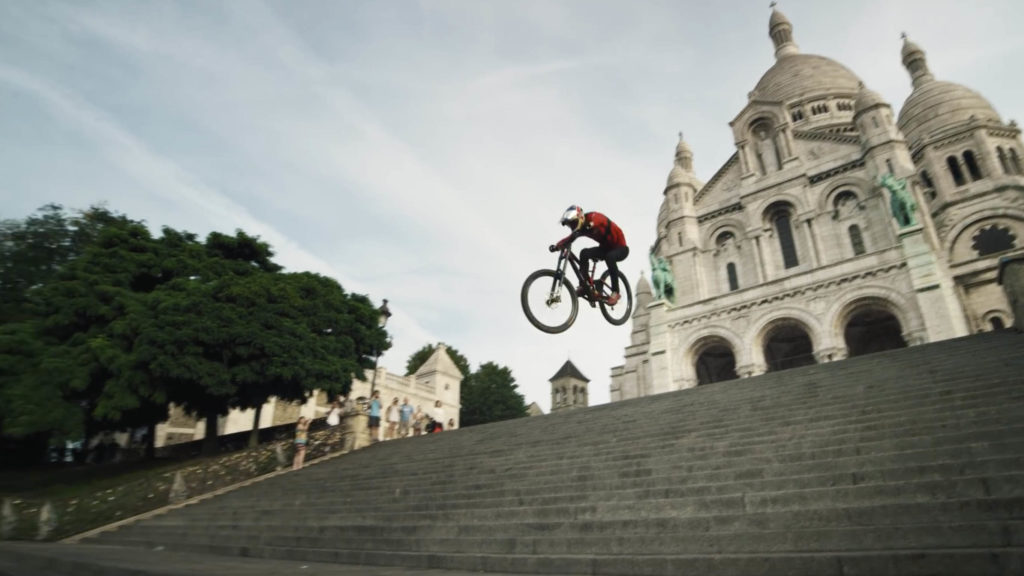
{"points": [[835, 229]]}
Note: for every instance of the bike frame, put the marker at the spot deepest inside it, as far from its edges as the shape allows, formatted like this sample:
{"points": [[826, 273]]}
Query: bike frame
{"points": [[567, 256]]}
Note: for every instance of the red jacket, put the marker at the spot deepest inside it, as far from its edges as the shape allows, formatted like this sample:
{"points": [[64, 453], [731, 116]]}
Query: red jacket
{"points": [[598, 227]]}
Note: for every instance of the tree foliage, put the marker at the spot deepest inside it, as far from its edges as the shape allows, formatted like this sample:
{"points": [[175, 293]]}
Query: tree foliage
{"points": [[103, 325], [489, 395]]}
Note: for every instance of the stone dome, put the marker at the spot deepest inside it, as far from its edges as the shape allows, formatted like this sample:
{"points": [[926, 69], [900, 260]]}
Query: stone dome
{"points": [[935, 104], [682, 169], [799, 75]]}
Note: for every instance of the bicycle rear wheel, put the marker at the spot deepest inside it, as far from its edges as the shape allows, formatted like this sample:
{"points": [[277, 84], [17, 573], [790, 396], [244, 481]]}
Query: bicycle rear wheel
{"points": [[620, 312], [549, 301]]}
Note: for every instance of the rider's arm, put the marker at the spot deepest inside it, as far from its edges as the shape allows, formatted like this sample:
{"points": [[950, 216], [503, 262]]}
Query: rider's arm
{"points": [[568, 240]]}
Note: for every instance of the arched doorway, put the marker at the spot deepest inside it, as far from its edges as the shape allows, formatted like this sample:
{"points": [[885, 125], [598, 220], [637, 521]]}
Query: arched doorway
{"points": [[715, 363], [786, 346], [873, 330]]}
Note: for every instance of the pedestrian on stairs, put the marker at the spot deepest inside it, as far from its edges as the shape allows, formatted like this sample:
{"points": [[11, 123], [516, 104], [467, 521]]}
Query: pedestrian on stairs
{"points": [[393, 417], [301, 438], [405, 418], [418, 421], [375, 407]]}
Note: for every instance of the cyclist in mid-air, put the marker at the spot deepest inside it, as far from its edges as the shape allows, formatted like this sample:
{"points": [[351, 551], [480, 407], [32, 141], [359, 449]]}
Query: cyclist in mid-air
{"points": [[611, 245]]}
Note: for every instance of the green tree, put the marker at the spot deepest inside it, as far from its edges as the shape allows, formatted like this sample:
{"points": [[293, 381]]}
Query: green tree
{"points": [[102, 326], [489, 395], [61, 337], [235, 341], [420, 357]]}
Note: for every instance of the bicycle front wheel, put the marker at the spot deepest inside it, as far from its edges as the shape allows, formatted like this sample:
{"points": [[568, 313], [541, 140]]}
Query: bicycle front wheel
{"points": [[549, 301], [620, 312]]}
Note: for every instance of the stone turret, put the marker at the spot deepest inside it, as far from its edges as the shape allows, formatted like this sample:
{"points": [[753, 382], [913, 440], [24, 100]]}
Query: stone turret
{"points": [[569, 388]]}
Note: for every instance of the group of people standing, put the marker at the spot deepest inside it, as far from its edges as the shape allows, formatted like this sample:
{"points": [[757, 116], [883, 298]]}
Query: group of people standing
{"points": [[402, 420]]}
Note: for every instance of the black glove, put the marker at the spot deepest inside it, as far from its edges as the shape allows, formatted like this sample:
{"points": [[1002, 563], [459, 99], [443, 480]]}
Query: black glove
{"points": [[553, 248]]}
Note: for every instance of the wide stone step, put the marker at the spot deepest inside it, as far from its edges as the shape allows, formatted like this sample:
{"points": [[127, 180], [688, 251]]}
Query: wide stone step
{"points": [[900, 537], [999, 561], [908, 462], [338, 528], [992, 486], [622, 491], [615, 443], [939, 448], [625, 456]]}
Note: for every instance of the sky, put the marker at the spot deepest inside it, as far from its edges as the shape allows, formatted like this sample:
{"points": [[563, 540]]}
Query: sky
{"points": [[423, 151]]}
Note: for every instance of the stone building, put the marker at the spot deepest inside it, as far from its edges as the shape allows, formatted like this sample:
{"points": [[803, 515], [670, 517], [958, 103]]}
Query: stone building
{"points": [[835, 229], [569, 388], [437, 379]]}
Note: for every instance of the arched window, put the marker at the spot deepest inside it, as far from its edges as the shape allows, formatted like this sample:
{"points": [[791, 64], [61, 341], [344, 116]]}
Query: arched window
{"points": [[874, 120], [972, 165], [856, 240], [1002, 159], [954, 169], [1015, 161], [724, 238], [734, 283], [845, 204], [785, 232], [997, 323]]}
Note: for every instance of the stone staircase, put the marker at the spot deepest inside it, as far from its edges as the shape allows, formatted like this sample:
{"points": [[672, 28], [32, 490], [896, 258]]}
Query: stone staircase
{"points": [[905, 462]]}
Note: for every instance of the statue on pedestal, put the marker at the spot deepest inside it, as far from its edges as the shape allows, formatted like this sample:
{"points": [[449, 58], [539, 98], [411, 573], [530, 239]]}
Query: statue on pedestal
{"points": [[900, 201], [662, 280]]}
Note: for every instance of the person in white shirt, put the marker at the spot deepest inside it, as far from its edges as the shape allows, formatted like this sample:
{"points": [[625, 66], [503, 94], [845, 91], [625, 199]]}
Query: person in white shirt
{"points": [[393, 416]]}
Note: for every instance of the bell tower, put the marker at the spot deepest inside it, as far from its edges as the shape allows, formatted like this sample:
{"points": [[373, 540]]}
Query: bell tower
{"points": [[569, 388]]}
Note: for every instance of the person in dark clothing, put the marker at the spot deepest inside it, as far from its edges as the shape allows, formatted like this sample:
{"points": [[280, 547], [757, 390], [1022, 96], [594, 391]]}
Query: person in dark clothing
{"points": [[611, 244]]}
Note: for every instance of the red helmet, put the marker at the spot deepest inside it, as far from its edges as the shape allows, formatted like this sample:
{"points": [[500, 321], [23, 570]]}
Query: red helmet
{"points": [[573, 217]]}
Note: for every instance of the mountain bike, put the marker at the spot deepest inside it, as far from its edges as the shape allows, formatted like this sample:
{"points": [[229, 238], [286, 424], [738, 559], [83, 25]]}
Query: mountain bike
{"points": [[550, 301]]}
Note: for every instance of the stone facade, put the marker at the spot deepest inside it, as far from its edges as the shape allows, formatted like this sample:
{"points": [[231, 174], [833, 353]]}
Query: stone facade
{"points": [[836, 229], [438, 379]]}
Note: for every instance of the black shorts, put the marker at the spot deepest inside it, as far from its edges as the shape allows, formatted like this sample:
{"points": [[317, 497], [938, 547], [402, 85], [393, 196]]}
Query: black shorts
{"points": [[374, 421]]}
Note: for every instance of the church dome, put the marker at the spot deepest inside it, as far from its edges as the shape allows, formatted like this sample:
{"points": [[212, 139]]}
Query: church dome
{"points": [[935, 104], [795, 75], [682, 169], [800, 75]]}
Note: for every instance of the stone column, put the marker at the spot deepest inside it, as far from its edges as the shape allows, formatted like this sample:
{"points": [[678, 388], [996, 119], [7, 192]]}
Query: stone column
{"points": [[1011, 278], [759, 269], [812, 245]]}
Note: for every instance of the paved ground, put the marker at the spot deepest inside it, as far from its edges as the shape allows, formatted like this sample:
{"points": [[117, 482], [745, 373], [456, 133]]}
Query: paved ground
{"points": [[57, 559]]}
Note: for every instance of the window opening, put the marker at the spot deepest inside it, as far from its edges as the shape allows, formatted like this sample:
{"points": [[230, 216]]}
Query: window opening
{"points": [[954, 170], [856, 240]]}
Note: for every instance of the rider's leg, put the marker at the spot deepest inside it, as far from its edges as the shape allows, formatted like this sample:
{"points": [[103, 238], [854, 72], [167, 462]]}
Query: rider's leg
{"points": [[588, 254], [612, 258]]}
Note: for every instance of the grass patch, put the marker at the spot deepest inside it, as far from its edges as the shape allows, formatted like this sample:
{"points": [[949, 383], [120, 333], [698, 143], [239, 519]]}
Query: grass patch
{"points": [[84, 500]]}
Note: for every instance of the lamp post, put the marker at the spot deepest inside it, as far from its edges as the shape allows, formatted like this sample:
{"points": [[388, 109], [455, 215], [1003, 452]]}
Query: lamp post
{"points": [[382, 320]]}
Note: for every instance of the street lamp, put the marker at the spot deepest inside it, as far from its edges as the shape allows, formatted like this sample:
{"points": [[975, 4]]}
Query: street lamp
{"points": [[382, 320]]}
